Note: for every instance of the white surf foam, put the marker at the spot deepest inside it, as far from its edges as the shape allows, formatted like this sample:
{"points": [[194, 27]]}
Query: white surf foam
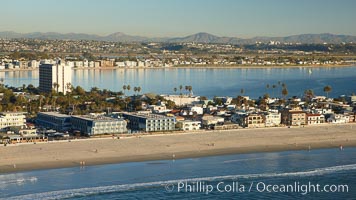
{"points": [[17, 181], [62, 194]]}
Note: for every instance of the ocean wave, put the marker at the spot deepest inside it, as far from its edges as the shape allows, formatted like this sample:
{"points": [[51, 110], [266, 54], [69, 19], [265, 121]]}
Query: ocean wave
{"points": [[18, 181], [70, 193]]}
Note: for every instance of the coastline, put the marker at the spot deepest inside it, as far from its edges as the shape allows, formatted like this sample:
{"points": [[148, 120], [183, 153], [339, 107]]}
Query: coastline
{"points": [[220, 67], [173, 146], [199, 67]]}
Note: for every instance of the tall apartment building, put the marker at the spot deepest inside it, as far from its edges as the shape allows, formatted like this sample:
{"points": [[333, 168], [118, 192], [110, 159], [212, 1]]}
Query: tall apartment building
{"points": [[55, 76]]}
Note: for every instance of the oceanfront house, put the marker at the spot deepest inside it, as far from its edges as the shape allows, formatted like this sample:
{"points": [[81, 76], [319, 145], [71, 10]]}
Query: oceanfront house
{"points": [[337, 118], [226, 126], [294, 117], [251, 120], [315, 119], [93, 125], [209, 121], [254, 120], [182, 100], [272, 119], [54, 120], [12, 119], [188, 125], [15, 138], [148, 122]]}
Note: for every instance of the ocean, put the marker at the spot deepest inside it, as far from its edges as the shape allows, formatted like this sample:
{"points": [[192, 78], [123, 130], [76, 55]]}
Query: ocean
{"points": [[208, 82], [314, 174]]}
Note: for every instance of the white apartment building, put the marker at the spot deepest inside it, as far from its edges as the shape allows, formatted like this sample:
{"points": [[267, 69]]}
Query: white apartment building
{"points": [[198, 110], [8, 119], [338, 119], [78, 64], [33, 64], [140, 64], [91, 64], [85, 63], [188, 125], [315, 119], [181, 100], [120, 64], [55, 76], [272, 119]]}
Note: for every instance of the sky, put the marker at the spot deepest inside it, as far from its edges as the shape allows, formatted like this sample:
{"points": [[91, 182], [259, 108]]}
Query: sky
{"points": [[169, 18]]}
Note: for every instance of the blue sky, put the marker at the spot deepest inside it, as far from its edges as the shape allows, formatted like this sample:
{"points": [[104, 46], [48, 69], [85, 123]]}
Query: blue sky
{"points": [[161, 18]]}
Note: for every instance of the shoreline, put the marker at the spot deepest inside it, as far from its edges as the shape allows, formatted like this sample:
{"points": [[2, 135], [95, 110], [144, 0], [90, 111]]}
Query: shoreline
{"points": [[173, 146], [200, 67], [220, 67]]}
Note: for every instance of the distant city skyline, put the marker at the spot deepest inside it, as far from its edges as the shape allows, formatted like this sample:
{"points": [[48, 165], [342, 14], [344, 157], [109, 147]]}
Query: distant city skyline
{"points": [[160, 18]]}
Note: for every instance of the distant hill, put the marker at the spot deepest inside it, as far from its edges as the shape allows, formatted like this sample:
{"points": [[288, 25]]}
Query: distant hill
{"points": [[198, 38], [307, 38], [122, 37]]}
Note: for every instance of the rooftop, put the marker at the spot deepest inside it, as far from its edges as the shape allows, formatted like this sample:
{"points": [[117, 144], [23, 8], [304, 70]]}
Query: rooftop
{"points": [[180, 96], [96, 118], [148, 115], [55, 114]]}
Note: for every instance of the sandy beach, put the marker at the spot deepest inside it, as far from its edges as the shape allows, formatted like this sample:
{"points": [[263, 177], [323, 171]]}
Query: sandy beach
{"points": [[173, 146]]}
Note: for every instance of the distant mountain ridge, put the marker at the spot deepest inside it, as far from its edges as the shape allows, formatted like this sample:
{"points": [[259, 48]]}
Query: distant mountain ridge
{"points": [[198, 38]]}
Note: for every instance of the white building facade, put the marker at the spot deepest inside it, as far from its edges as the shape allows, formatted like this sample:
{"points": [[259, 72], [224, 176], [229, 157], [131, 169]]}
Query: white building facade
{"points": [[272, 119], [8, 119], [188, 125], [95, 125], [181, 100]]}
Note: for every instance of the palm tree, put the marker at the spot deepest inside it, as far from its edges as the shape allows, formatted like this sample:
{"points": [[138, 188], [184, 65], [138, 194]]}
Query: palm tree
{"points": [[138, 89], [284, 92], [309, 94], [274, 87], [242, 91], [56, 86], [186, 88], [1, 82], [135, 89], [190, 88], [175, 90], [327, 89], [180, 88], [124, 88], [128, 87], [69, 87]]}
